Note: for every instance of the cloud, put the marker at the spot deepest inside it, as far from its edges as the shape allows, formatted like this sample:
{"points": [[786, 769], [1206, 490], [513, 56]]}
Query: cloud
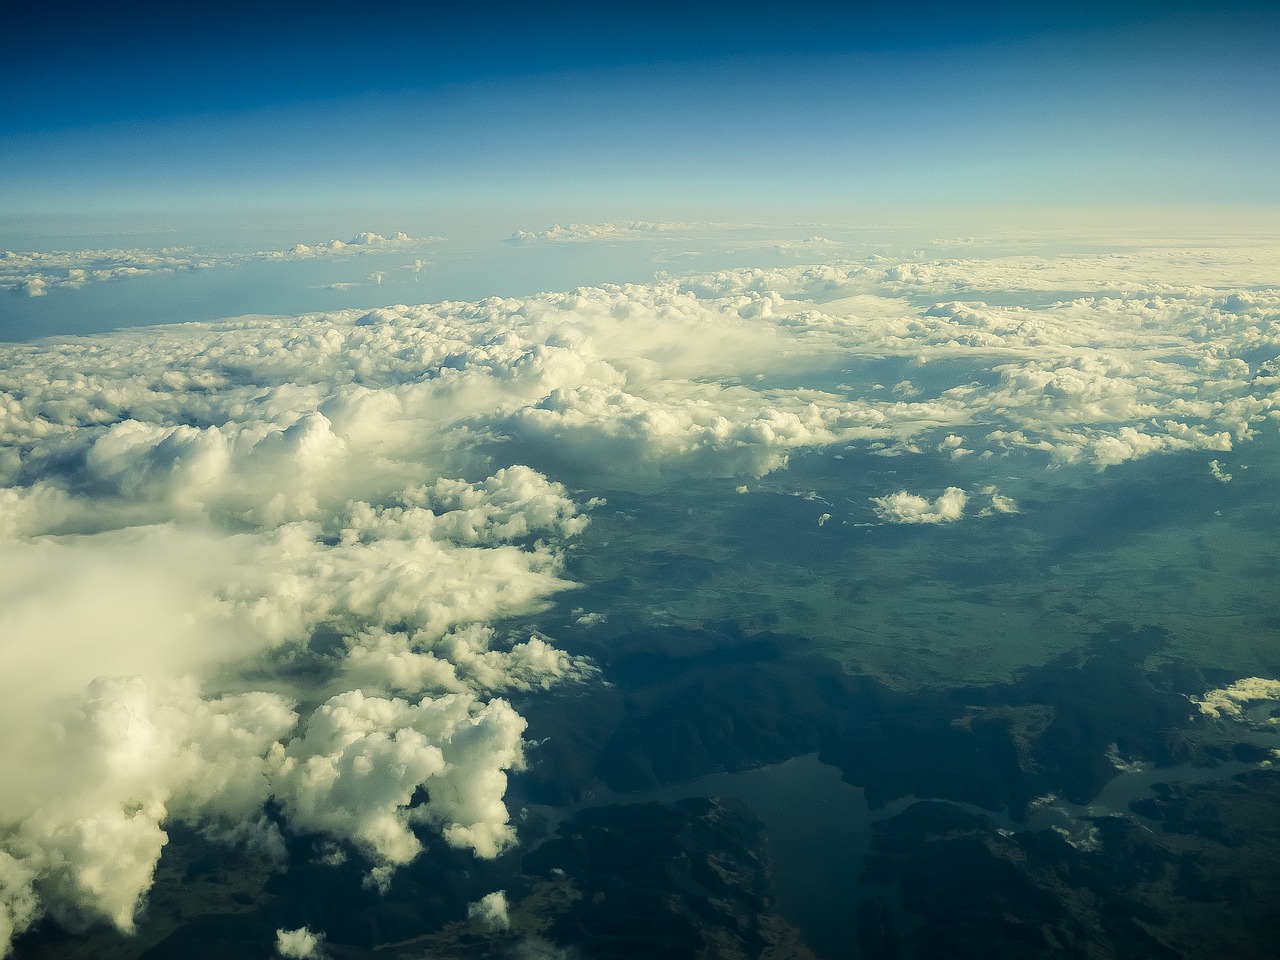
{"points": [[300, 944], [953, 446], [88, 832], [1219, 474], [1231, 701], [354, 774], [903, 507], [810, 247], [590, 233], [361, 243], [34, 272], [19, 906], [353, 504], [490, 911], [999, 503], [84, 821]]}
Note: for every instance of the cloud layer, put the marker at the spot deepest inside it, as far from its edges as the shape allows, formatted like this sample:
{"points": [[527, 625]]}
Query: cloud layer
{"points": [[36, 273], [341, 503]]}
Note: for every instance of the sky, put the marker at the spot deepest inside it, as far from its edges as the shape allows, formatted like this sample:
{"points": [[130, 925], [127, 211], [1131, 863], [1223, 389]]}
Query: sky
{"points": [[602, 109], [288, 574]]}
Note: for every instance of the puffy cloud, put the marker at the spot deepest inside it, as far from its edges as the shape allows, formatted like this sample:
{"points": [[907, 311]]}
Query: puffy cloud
{"points": [[1231, 701], [300, 944], [19, 906], [463, 659], [355, 772], [88, 830], [361, 243], [84, 821], [490, 911], [903, 507], [638, 377], [999, 503]]}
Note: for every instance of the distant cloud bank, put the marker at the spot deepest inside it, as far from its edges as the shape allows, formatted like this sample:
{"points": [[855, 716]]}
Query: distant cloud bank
{"points": [[35, 274], [597, 232]]}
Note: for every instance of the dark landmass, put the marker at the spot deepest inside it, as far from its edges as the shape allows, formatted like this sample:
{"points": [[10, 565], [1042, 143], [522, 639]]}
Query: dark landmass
{"points": [[691, 702], [683, 880], [950, 884]]}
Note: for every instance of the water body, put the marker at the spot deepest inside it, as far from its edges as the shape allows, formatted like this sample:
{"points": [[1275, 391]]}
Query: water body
{"points": [[819, 828], [466, 268]]}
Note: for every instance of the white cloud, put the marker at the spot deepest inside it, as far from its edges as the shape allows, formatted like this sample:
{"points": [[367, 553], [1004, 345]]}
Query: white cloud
{"points": [[176, 599], [903, 507], [595, 232], [953, 446], [88, 830], [355, 771], [300, 944], [999, 503], [1231, 701], [1219, 474], [35, 272], [19, 906], [490, 911]]}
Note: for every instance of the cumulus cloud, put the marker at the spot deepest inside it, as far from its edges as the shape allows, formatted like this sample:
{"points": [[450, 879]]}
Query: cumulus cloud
{"points": [[354, 773], [361, 243], [19, 906], [411, 584], [300, 944], [903, 507], [86, 833], [999, 503], [953, 446], [1230, 702], [490, 911]]}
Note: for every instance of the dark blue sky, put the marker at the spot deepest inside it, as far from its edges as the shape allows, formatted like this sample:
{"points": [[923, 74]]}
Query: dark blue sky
{"points": [[70, 66], [820, 103]]}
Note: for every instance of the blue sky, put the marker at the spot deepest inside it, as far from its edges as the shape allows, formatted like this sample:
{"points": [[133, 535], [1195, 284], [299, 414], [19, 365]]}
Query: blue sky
{"points": [[649, 110]]}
